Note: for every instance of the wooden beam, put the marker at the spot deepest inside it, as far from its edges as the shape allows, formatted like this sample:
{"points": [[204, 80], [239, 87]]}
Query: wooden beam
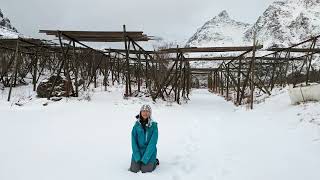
{"points": [[210, 49]]}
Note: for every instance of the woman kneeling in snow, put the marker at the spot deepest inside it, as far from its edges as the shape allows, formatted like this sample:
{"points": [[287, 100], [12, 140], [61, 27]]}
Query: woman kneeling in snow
{"points": [[144, 138]]}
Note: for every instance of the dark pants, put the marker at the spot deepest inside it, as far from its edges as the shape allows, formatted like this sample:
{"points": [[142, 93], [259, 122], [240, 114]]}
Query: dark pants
{"points": [[136, 167]]}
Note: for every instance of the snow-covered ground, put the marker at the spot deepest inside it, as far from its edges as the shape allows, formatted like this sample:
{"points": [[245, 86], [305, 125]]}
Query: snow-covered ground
{"points": [[207, 138]]}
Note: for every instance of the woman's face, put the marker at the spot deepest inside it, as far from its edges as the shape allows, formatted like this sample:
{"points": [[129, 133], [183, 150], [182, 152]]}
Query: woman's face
{"points": [[145, 114]]}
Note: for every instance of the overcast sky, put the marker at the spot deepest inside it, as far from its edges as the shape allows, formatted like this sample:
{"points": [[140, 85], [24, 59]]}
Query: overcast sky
{"points": [[170, 19]]}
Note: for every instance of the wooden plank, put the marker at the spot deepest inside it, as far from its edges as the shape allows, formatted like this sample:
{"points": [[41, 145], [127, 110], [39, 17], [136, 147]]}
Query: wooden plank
{"points": [[301, 50], [209, 49], [100, 36]]}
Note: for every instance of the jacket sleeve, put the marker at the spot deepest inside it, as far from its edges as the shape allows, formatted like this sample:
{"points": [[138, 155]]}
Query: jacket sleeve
{"points": [[151, 146], [134, 145]]}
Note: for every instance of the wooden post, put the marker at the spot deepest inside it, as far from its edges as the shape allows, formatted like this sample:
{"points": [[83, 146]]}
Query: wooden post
{"points": [[60, 68], [35, 69], [128, 90], [227, 80], [238, 83], [105, 73], [15, 69], [309, 59], [222, 83], [146, 77], [253, 70], [179, 80], [139, 72], [118, 68], [93, 69], [215, 81], [76, 69], [112, 65]]}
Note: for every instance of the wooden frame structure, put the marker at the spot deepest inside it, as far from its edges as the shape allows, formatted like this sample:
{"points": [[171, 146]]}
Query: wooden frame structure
{"points": [[246, 77], [165, 73]]}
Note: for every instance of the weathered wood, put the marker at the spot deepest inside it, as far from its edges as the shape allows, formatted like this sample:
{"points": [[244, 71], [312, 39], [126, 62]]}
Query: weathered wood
{"points": [[14, 75], [209, 49]]}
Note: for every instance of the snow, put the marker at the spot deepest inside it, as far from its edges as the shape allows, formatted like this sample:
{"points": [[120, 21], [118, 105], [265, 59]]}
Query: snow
{"points": [[283, 23], [6, 28], [219, 31], [304, 93], [207, 138], [7, 33], [287, 22]]}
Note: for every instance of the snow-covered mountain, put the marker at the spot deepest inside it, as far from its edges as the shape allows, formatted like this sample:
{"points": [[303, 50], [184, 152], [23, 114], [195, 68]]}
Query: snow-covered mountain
{"points": [[7, 30], [283, 23], [219, 31], [287, 22]]}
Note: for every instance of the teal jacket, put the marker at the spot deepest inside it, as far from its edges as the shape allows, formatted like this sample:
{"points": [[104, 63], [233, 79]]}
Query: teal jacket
{"points": [[144, 144]]}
